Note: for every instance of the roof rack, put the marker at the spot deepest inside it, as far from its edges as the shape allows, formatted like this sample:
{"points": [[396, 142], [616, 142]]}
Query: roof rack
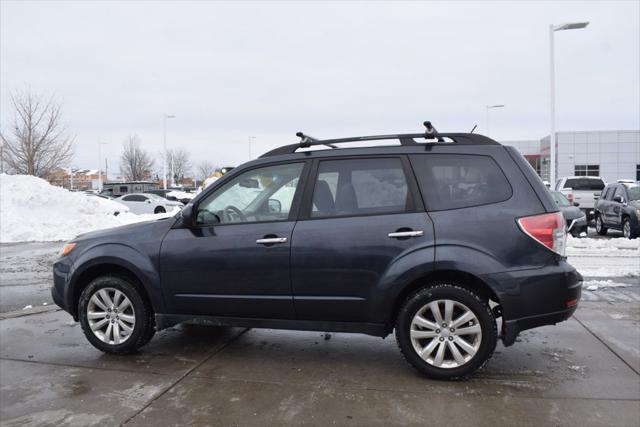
{"points": [[406, 139]]}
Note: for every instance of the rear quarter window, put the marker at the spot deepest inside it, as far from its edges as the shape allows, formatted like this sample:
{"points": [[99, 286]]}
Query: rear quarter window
{"points": [[452, 181]]}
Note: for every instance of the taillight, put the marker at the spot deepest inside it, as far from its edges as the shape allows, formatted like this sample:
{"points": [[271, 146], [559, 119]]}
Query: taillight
{"points": [[547, 229]]}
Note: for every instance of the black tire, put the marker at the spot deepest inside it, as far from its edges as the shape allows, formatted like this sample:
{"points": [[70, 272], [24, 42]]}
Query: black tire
{"points": [[159, 209], [474, 303], [143, 328], [600, 228], [628, 230]]}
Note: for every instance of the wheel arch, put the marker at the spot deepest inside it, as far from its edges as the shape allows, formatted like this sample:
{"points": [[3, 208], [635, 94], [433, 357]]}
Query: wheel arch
{"points": [[108, 267], [461, 278]]}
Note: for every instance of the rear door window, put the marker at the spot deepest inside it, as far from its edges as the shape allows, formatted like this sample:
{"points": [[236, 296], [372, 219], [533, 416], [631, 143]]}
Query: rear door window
{"points": [[584, 184], [360, 187], [451, 181]]}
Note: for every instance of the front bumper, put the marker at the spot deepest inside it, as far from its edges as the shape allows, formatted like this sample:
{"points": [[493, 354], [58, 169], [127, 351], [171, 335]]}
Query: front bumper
{"points": [[536, 297], [60, 288]]}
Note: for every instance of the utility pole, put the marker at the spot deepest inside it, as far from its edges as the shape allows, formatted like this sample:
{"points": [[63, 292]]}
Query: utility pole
{"points": [[552, 87], [100, 144], [165, 116]]}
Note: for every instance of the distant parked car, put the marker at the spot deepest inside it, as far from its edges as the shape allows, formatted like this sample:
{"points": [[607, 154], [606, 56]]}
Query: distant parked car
{"points": [[619, 208], [142, 203], [582, 189], [162, 193], [575, 218]]}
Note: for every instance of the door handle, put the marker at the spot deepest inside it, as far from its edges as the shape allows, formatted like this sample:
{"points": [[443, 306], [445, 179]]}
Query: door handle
{"points": [[412, 233], [271, 240]]}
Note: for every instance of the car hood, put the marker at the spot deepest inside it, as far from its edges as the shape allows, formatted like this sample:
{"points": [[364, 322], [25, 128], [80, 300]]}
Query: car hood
{"points": [[129, 231]]}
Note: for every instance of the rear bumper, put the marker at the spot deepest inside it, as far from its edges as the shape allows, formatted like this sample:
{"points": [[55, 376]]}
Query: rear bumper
{"points": [[511, 328], [537, 297]]}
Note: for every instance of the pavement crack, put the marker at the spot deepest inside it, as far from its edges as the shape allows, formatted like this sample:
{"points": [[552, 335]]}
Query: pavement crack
{"points": [[606, 345]]}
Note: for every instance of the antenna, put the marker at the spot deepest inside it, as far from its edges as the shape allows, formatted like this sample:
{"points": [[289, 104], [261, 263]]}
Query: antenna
{"points": [[474, 128]]}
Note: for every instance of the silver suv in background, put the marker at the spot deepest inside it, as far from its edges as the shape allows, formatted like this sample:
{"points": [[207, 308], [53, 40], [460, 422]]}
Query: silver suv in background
{"points": [[584, 190]]}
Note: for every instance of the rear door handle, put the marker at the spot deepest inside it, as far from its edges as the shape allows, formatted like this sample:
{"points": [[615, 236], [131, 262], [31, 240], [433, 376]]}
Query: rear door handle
{"points": [[271, 240], [412, 233]]}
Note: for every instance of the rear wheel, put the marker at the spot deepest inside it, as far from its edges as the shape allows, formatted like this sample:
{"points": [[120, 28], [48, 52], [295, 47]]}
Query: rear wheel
{"points": [[600, 228], [159, 209], [446, 331], [114, 316]]}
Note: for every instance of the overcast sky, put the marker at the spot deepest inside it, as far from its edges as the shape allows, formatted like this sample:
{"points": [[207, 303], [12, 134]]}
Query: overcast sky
{"points": [[233, 70]]}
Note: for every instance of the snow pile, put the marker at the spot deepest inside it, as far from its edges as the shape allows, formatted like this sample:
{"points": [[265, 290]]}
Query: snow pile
{"points": [[581, 245], [594, 285], [32, 210]]}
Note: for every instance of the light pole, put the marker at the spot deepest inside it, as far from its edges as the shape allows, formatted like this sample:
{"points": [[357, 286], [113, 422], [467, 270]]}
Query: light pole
{"points": [[552, 82], [100, 144], [489, 107], [165, 116], [251, 138]]}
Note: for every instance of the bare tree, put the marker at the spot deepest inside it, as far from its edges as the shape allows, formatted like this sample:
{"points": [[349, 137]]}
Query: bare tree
{"points": [[135, 162], [38, 143], [205, 169], [181, 163]]}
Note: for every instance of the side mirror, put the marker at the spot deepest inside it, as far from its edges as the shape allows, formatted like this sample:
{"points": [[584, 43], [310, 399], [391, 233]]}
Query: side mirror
{"points": [[187, 215], [576, 204], [618, 198], [274, 206]]}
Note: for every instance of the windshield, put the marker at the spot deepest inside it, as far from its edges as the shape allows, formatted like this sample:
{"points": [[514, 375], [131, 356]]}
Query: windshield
{"points": [[633, 192], [560, 199]]}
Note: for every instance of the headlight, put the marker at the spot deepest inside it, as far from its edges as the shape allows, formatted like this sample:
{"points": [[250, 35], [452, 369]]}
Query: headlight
{"points": [[67, 249]]}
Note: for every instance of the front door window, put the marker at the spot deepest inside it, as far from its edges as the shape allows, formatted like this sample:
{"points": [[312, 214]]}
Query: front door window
{"points": [[258, 195]]}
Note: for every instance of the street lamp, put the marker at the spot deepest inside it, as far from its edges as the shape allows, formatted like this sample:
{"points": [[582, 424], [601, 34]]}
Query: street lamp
{"points": [[250, 139], [165, 116], [100, 144], [552, 79], [489, 107]]}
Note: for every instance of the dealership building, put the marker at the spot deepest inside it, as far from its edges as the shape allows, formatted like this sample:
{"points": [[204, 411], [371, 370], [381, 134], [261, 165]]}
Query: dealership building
{"points": [[611, 155]]}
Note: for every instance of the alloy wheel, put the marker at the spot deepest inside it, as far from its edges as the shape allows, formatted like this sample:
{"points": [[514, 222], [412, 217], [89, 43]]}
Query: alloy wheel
{"points": [[626, 229], [111, 316], [598, 224], [445, 333]]}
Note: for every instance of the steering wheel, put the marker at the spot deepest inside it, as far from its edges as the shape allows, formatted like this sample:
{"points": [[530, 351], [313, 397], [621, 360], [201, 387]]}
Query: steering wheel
{"points": [[231, 210]]}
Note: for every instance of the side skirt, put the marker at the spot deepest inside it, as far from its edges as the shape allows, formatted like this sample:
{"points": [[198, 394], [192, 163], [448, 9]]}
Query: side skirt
{"points": [[164, 321]]}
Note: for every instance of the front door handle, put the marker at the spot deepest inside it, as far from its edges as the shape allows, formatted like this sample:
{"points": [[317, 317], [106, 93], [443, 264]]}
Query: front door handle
{"points": [[271, 240], [400, 234]]}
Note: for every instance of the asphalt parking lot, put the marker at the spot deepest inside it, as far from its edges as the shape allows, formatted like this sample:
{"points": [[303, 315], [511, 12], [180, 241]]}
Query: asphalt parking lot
{"points": [[583, 372]]}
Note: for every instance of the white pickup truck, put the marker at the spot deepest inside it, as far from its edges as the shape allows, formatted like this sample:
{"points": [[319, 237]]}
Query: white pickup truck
{"points": [[583, 190]]}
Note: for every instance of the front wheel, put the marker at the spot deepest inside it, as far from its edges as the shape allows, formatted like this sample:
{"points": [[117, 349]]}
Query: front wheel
{"points": [[114, 316], [159, 210], [627, 231], [600, 228], [446, 331]]}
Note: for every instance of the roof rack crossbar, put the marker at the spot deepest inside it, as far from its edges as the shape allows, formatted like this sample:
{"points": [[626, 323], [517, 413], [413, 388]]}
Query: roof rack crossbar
{"points": [[405, 139]]}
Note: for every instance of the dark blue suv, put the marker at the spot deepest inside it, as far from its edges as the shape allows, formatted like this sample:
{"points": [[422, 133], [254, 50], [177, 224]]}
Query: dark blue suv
{"points": [[434, 235]]}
